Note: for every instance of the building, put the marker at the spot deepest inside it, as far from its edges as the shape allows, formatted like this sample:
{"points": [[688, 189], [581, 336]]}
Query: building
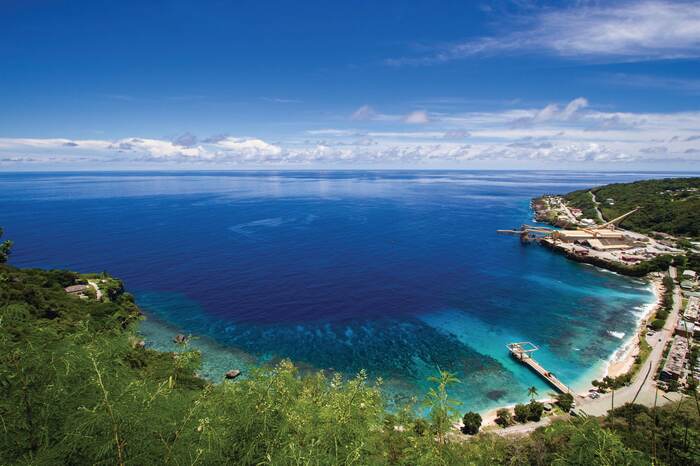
{"points": [[673, 367], [76, 289], [685, 329], [692, 309], [603, 239], [688, 274]]}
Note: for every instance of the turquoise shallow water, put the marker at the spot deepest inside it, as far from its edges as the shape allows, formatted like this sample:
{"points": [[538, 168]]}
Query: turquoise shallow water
{"points": [[398, 273]]}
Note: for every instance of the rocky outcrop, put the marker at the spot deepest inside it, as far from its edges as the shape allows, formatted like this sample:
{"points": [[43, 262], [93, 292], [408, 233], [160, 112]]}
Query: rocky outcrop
{"points": [[232, 374]]}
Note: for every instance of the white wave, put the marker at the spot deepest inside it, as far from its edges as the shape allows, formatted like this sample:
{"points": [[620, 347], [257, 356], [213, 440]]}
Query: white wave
{"points": [[618, 335]]}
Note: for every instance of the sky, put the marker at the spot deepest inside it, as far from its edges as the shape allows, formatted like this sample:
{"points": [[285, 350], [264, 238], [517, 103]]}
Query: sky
{"points": [[198, 85]]}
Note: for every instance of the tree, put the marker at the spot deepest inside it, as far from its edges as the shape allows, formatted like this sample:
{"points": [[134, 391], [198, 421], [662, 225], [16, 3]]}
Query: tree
{"points": [[5, 248], [535, 410], [420, 426], [590, 444], [443, 409], [504, 418], [565, 401], [532, 392], [521, 412], [612, 384], [657, 324], [472, 423]]}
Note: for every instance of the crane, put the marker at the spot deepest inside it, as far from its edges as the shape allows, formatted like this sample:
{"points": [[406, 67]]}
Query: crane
{"points": [[611, 223]]}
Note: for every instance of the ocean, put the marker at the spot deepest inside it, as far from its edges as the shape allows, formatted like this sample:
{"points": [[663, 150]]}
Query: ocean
{"points": [[398, 273]]}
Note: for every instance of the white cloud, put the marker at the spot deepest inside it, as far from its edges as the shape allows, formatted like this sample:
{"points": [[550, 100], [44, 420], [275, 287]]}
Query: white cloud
{"points": [[331, 132], [551, 112], [278, 100], [551, 135], [573, 107], [418, 117], [623, 31], [368, 113], [363, 113], [248, 147], [156, 148]]}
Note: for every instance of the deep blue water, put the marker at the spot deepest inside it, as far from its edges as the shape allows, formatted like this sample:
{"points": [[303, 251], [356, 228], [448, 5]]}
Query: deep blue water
{"points": [[397, 273]]}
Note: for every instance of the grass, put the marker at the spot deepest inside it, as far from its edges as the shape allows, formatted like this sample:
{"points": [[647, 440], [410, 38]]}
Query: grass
{"points": [[644, 352]]}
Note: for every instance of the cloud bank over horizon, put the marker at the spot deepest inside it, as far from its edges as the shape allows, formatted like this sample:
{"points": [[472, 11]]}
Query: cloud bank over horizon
{"points": [[572, 132]]}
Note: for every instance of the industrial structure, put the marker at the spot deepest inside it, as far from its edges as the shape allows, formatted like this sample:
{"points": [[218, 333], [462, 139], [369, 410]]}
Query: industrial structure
{"points": [[523, 352], [605, 237]]}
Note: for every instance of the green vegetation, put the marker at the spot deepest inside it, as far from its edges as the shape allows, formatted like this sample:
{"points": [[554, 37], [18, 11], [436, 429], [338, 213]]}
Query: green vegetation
{"points": [[666, 305], [532, 392], [443, 409], [528, 412], [671, 433], [657, 324], [584, 201], [112, 289], [689, 261], [77, 388], [565, 401], [521, 412], [669, 205], [5, 248], [471, 423], [612, 384], [642, 356], [504, 417]]}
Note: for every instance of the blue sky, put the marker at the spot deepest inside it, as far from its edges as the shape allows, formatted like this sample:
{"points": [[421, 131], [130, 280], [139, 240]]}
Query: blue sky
{"points": [[405, 84]]}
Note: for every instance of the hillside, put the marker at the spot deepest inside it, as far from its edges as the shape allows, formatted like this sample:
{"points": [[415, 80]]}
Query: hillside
{"points": [[670, 205]]}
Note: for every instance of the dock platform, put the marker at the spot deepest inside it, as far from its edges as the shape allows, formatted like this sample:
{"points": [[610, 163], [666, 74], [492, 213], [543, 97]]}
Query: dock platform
{"points": [[522, 350]]}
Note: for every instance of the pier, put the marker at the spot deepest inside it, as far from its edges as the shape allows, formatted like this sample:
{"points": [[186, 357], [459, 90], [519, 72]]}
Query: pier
{"points": [[522, 351]]}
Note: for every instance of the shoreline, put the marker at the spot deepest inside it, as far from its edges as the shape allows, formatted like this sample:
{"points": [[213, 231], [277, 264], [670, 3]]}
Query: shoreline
{"points": [[622, 360], [219, 358], [619, 363]]}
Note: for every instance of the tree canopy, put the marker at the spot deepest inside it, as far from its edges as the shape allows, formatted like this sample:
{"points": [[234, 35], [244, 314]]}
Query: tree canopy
{"points": [[670, 205]]}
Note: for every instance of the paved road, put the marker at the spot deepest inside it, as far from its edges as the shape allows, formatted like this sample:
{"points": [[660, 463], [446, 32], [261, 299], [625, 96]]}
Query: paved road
{"points": [[643, 390], [597, 209]]}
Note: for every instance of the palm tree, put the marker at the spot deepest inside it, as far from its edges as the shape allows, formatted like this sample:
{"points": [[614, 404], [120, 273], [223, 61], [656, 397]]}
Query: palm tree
{"points": [[612, 384], [532, 392]]}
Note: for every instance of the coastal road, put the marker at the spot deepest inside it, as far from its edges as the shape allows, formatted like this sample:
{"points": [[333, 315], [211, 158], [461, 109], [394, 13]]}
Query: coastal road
{"points": [[98, 292], [597, 209], [643, 390]]}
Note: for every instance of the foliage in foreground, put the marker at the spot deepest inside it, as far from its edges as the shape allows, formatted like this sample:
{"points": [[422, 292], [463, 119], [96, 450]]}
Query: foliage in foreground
{"points": [[76, 388]]}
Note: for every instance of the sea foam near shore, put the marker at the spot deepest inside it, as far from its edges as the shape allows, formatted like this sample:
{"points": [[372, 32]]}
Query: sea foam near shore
{"points": [[621, 360]]}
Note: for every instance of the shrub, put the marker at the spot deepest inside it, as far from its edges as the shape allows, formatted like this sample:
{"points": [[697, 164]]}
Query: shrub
{"points": [[472, 423], [504, 418], [657, 324], [565, 401], [420, 427], [521, 412], [535, 410]]}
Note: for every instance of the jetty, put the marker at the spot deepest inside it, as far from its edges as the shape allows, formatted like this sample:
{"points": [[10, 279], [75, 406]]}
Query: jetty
{"points": [[523, 352]]}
